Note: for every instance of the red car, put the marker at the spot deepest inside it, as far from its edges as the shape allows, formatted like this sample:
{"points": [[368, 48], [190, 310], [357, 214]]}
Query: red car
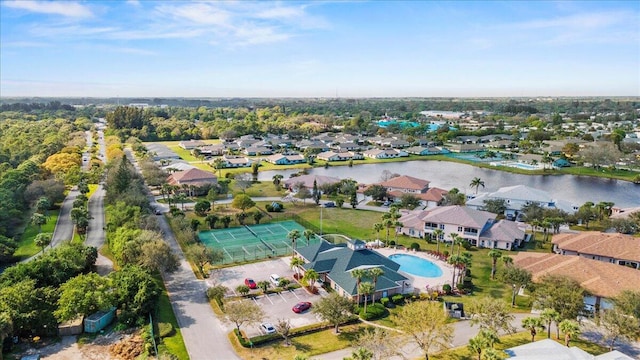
{"points": [[250, 283], [301, 306]]}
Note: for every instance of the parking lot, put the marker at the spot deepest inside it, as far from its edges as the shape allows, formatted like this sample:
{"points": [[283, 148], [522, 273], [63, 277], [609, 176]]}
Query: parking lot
{"points": [[275, 306]]}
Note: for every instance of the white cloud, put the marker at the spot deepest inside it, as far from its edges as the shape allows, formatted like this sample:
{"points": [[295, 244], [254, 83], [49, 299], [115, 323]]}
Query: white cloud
{"points": [[579, 21], [199, 13], [64, 8]]}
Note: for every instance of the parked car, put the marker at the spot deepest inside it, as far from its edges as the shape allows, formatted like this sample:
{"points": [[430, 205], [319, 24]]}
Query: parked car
{"points": [[329, 204], [267, 328], [386, 203], [158, 212], [301, 307], [250, 283], [275, 279]]}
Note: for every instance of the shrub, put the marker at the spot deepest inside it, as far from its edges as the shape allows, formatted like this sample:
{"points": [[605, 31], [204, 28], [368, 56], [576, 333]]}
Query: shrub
{"points": [[397, 299], [446, 288], [374, 311], [415, 246], [165, 329], [445, 253], [392, 242], [384, 301], [244, 342]]}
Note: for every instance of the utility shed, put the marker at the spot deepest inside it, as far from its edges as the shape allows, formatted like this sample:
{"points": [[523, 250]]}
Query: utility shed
{"points": [[98, 321]]}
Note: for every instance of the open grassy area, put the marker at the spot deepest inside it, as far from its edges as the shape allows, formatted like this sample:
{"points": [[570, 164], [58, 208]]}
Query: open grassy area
{"points": [[316, 343], [174, 343], [26, 246]]}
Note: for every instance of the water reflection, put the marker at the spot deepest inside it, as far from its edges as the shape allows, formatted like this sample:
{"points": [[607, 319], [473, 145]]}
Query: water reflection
{"points": [[447, 175]]}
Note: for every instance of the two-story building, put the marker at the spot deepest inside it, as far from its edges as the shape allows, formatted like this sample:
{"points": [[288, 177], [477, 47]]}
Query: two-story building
{"points": [[612, 248], [479, 228]]}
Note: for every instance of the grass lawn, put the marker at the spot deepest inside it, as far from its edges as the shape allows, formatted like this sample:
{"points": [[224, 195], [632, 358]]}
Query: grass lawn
{"points": [[309, 345], [258, 189], [26, 246], [173, 343]]}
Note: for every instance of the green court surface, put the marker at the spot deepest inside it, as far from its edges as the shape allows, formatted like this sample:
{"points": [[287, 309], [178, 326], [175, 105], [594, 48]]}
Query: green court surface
{"points": [[254, 241]]}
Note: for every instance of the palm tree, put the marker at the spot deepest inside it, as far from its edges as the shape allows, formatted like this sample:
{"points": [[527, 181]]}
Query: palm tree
{"points": [[453, 237], [507, 260], [365, 288], [397, 224], [218, 164], [476, 183], [388, 223], [264, 285], [438, 234], [494, 255], [570, 329], [533, 324], [277, 178], [549, 316], [377, 227], [293, 235], [375, 273], [484, 340], [358, 274], [459, 241], [295, 263], [310, 277], [211, 219], [454, 261], [307, 233]]}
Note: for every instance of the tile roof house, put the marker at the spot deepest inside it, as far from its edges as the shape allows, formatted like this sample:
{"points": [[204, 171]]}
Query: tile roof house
{"points": [[612, 248], [282, 159], [258, 150], [334, 264], [598, 278], [406, 184], [479, 228], [191, 144], [193, 176], [385, 154], [515, 197], [339, 156], [231, 161]]}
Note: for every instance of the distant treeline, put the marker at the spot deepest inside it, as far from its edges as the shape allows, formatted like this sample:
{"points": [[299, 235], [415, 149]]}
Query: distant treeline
{"points": [[27, 107]]}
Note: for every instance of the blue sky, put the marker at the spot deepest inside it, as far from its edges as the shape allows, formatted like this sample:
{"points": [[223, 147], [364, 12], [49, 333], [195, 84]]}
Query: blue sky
{"points": [[319, 49]]}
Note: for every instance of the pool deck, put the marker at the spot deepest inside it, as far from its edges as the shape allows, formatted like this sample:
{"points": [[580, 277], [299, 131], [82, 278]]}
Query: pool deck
{"points": [[419, 282]]}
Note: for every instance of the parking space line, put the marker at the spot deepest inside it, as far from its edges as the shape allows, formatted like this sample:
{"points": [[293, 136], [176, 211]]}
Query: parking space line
{"points": [[294, 294], [255, 300], [283, 298], [267, 296]]}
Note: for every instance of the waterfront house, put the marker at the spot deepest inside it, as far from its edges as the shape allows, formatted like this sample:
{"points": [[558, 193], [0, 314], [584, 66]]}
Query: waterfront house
{"points": [[232, 161], [308, 180], [385, 154], [285, 159], [339, 156], [257, 150]]}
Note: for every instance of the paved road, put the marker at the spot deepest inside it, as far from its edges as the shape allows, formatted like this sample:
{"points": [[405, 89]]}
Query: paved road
{"points": [[64, 226], [203, 334], [95, 232]]}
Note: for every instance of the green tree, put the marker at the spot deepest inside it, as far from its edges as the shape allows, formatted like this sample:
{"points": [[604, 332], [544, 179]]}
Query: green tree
{"points": [[516, 278], [377, 227], [157, 255], [43, 205], [217, 293], [242, 202], [38, 220], [358, 274], [84, 295], [201, 255], [570, 329], [211, 220], [310, 277], [485, 339], [293, 235], [427, 324], [316, 193], [295, 264], [353, 199], [491, 314], [243, 289], [561, 294], [136, 293], [437, 234], [334, 309], [495, 206], [264, 286], [243, 312], [616, 325], [283, 327], [365, 288], [257, 216], [226, 220], [494, 255], [360, 353], [375, 273], [307, 233], [377, 192], [533, 324], [6, 328], [381, 343], [549, 316], [43, 240], [476, 183], [202, 207], [277, 179]]}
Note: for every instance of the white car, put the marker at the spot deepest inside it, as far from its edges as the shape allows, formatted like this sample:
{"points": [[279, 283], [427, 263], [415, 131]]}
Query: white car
{"points": [[275, 279], [267, 328]]}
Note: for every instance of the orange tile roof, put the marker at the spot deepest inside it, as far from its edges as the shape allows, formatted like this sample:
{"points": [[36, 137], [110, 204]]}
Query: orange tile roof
{"points": [[597, 277], [191, 175], [406, 182], [612, 245]]}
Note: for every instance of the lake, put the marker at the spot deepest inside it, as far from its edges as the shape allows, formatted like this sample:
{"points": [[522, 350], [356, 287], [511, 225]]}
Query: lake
{"points": [[447, 175]]}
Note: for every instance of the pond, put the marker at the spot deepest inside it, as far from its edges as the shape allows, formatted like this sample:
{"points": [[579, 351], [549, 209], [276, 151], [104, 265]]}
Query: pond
{"points": [[447, 175]]}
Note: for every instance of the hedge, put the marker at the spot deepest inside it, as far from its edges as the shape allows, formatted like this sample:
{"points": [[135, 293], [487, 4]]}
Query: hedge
{"points": [[375, 311]]}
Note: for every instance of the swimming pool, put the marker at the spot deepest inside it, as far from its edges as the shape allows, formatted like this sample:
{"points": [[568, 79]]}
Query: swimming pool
{"points": [[518, 165], [416, 266]]}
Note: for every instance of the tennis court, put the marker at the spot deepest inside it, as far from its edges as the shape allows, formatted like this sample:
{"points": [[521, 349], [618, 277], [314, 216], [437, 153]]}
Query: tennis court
{"points": [[251, 242]]}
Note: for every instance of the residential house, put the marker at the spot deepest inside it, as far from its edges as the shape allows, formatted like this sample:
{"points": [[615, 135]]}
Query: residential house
{"points": [[336, 263], [515, 197], [339, 156], [464, 148], [312, 145], [395, 143], [421, 150], [177, 166], [346, 146], [600, 279], [406, 184], [159, 152], [623, 213], [232, 161], [285, 159], [612, 248], [385, 154], [256, 151], [479, 228], [194, 178], [212, 150], [191, 144], [308, 180]]}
